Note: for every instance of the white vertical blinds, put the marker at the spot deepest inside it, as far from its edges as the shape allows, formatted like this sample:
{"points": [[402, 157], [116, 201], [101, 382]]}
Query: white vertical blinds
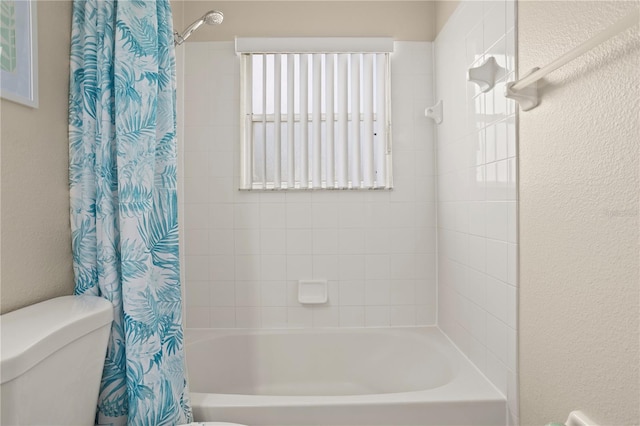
{"points": [[343, 121], [277, 125], [303, 140], [316, 121], [291, 159]]}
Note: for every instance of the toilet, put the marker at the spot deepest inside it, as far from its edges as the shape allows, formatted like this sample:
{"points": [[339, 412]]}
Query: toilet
{"points": [[51, 361]]}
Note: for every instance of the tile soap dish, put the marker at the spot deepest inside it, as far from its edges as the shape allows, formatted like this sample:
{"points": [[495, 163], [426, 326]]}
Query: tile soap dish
{"points": [[312, 292]]}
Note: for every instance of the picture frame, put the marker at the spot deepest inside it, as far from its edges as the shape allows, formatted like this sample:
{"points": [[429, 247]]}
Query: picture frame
{"points": [[19, 52]]}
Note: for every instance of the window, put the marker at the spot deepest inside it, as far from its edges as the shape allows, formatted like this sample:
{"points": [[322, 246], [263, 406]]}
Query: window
{"points": [[316, 115]]}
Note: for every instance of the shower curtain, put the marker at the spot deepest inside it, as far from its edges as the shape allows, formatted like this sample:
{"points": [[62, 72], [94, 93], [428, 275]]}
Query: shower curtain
{"points": [[122, 154]]}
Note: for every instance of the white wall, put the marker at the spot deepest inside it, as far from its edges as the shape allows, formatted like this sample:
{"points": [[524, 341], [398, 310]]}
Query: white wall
{"points": [[245, 251], [579, 227], [477, 159]]}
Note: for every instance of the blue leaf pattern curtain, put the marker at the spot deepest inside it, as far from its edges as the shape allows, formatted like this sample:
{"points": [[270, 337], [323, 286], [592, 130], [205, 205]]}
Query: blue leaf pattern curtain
{"points": [[122, 135]]}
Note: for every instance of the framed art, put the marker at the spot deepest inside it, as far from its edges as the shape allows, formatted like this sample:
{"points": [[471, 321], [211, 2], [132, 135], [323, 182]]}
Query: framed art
{"points": [[19, 51]]}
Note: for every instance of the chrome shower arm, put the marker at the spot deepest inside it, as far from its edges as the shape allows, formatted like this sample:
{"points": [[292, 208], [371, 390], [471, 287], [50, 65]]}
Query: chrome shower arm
{"points": [[212, 17]]}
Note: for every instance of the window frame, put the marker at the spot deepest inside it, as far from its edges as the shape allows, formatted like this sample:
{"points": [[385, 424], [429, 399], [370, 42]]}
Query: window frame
{"points": [[248, 119]]}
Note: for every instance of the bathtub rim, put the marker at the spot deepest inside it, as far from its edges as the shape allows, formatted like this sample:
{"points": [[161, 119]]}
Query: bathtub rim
{"points": [[468, 385]]}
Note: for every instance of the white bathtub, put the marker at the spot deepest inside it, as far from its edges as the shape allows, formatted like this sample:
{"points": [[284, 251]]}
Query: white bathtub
{"points": [[398, 376]]}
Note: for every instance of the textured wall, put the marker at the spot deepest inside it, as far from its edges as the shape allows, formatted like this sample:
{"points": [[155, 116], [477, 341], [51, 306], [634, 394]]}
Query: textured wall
{"points": [[579, 186], [36, 242], [403, 20]]}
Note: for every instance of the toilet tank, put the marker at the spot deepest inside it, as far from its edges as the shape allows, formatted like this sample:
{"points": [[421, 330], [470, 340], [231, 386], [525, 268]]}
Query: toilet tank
{"points": [[51, 359]]}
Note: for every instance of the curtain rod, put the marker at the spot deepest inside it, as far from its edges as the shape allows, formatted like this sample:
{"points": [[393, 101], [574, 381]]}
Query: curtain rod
{"points": [[525, 85]]}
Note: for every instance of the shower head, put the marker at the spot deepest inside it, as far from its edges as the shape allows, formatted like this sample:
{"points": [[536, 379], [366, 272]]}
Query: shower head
{"points": [[212, 17]]}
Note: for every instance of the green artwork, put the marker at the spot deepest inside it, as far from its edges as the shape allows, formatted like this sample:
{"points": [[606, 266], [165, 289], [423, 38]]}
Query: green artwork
{"points": [[8, 58]]}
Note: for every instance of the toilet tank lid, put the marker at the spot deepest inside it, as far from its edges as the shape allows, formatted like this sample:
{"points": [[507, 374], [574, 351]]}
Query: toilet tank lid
{"points": [[31, 334]]}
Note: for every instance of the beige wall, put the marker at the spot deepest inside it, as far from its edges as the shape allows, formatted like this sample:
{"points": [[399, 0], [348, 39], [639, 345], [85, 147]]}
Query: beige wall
{"points": [[579, 188], [402, 20], [442, 12], [36, 246], [177, 11], [36, 262]]}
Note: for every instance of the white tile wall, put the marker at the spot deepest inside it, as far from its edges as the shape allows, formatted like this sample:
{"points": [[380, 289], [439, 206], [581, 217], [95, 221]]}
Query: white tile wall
{"points": [[477, 159], [245, 251]]}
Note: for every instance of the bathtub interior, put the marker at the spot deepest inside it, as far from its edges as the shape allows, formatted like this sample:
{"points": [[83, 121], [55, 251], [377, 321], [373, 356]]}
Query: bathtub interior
{"points": [[390, 376], [317, 363]]}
